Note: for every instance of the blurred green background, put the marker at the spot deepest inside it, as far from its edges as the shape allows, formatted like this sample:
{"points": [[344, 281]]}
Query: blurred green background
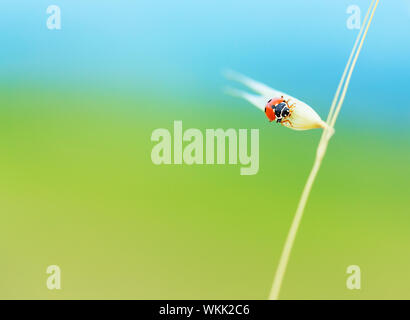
{"points": [[78, 188]]}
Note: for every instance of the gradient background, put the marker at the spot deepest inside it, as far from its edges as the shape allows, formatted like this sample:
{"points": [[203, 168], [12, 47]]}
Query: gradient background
{"points": [[78, 188]]}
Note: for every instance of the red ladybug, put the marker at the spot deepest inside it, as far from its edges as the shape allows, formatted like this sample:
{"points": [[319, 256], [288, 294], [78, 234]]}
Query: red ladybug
{"points": [[270, 108]]}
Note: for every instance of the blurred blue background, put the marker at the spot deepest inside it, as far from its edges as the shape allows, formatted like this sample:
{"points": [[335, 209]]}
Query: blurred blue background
{"points": [[78, 188]]}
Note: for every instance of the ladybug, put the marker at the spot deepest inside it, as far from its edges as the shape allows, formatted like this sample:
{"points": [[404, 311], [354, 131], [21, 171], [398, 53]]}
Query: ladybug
{"points": [[277, 109]]}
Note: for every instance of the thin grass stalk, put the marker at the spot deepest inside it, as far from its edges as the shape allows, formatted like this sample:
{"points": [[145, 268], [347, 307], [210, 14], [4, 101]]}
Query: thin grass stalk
{"points": [[321, 150], [339, 87]]}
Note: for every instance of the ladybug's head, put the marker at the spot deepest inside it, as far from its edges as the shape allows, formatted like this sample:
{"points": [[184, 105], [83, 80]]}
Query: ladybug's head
{"points": [[270, 108], [282, 110]]}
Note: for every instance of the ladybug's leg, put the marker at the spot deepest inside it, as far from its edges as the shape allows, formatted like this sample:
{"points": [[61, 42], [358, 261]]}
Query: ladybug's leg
{"points": [[291, 106], [288, 122]]}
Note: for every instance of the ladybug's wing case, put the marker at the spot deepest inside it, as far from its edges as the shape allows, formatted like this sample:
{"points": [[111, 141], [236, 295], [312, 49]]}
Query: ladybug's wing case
{"points": [[303, 117]]}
